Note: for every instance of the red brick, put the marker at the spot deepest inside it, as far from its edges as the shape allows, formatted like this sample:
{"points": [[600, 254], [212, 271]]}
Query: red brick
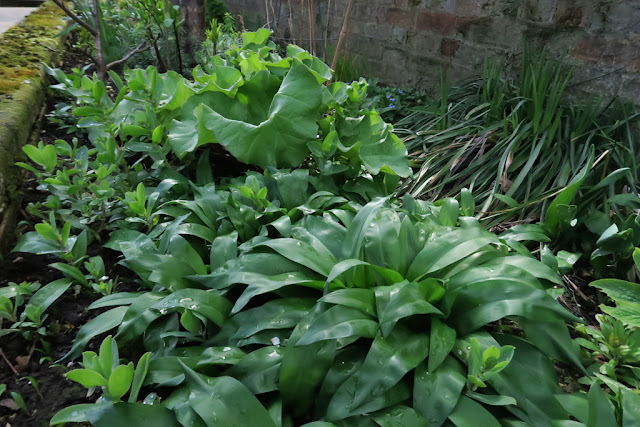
{"points": [[443, 23], [400, 18], [449, 47]]}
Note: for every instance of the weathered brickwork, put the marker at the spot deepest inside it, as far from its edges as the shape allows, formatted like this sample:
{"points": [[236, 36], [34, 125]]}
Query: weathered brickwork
{"points": [[409, 42]]}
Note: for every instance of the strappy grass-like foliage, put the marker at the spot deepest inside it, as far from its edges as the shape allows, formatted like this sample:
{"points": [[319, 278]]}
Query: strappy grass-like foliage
{"points": [[517, 145]]}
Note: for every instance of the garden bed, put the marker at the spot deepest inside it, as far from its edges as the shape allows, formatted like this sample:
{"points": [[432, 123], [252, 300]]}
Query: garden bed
{"points": [[244, 229]]}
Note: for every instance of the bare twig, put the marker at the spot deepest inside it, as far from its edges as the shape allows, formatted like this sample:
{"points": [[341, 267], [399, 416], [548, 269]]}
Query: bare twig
{"points": [[75, 17], [154, 42], [8, 362], [574, 286], [140, 48]]}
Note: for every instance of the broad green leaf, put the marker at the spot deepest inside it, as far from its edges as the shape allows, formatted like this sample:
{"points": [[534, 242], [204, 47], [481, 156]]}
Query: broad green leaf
{"points": [[469, 413], [619, 290], [49, 293], [223, 249], [449, 212], [209, 303], [442, 340], [290, 125], [436, 393], [601, 410], [71, 272], [479, 297], [259, 370], [138, 316], [340, 322], [180, 248], [576, 404], [630, 407], [120, 298], [467, 202], [124, 413], [302, 253], [402, 300], [361, 299], [627, 312], [302, 371], [99, 325], [528, 366], [278, 314], [47, 231], [553, 338], [225, 401], [388, 360], [358, 228], [399, 416], [260, 284], [448, 249], [492, 399], [76, 413], [34, 243]]}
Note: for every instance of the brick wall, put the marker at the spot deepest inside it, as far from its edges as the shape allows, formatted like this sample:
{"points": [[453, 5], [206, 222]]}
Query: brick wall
{"points": [[409, 42]]}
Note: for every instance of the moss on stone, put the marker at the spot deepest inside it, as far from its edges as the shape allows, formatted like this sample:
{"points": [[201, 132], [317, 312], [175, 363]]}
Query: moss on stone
{"points": [[24, 46]]}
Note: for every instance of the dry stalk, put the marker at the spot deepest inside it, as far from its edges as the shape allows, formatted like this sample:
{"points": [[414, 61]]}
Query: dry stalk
{"points": [[266, 7], [343, 34], [326, 30], [293, 38], [312, 30]]}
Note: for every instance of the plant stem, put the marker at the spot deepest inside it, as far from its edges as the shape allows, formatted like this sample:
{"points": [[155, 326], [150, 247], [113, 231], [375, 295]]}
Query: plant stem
{"points": [[100, 65], [166, 37], [178, 50]]}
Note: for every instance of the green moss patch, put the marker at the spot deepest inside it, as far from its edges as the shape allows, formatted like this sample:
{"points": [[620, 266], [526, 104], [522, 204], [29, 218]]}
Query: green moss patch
{"points": [[24, 46]]}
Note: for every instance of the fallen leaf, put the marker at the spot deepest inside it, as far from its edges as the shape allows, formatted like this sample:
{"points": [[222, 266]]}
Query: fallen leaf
{"points": [[22, 362], [9, 403]]}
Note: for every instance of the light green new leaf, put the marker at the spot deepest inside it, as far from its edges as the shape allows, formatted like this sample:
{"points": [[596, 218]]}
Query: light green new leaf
{"points": [[120, 381], [87, 378]]}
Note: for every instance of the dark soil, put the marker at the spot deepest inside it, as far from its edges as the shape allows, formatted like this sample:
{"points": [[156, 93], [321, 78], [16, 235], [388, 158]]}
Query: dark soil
{"points": [[68, 314], [20, 358]]}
